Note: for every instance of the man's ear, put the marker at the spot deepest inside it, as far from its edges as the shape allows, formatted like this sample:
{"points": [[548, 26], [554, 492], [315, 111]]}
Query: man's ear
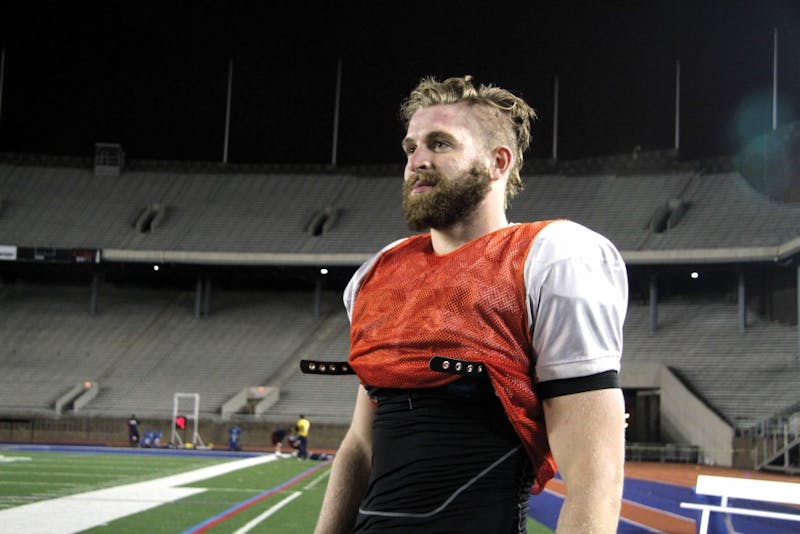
{"points": [[503, 157]]}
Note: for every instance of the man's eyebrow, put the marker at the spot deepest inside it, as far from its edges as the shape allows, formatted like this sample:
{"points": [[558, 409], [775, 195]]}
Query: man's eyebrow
{"points": [[440, 134], [430, 136]]}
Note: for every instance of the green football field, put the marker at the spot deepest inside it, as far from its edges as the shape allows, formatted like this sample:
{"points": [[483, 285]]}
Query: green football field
{"points": [[156, 491]]}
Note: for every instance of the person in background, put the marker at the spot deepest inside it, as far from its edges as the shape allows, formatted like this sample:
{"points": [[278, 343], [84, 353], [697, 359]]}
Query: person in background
{"points": [[133, 431], [234, 434], [152, 439], [487, 351], [301, 428], [277, 438]]}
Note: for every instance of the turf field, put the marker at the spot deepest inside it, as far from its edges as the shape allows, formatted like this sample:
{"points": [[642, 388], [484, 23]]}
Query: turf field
{"points": [[100, 489], [59, 490]]}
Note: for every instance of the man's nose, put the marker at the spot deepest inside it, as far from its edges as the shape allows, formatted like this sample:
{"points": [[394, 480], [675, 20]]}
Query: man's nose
{"points": [[419, 160]]}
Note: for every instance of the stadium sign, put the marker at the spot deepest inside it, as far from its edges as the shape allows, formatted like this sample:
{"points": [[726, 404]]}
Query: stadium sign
{"points": [[8, 253], [56, 255]]}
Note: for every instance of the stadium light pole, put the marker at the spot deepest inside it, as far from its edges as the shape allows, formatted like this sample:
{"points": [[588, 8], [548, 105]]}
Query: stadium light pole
{"points": [[228, 113], [677, 105], [2, 78], [775, 79], [555, 119], [335, 143]]}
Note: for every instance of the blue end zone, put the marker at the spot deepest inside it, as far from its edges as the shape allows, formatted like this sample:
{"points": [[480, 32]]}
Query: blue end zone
{"points": [[668, 497], [546, 506], [743, 523], [659, 495]]}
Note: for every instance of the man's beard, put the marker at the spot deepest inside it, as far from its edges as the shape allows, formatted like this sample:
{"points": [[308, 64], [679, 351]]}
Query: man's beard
{"points": [[451, 200]]}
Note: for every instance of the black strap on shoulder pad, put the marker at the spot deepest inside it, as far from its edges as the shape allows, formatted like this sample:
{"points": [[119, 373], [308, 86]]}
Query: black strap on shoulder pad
{"points": [[454, 366], [316, 367]]}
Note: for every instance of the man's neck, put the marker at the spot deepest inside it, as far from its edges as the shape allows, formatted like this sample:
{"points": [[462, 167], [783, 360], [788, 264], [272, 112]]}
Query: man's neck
{"points": [[446, 240]]}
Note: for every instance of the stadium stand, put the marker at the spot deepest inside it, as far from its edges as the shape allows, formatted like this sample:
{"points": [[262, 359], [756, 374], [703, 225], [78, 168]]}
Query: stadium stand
{"points": [[240, 228], [144, 346], [618, 206], [255, 213], [329, 399], [701, 341]]}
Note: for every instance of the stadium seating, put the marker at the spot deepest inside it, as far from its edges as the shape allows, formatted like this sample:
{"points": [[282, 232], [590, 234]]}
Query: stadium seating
{"points": [[144, 343], [256, 213], [143, 346], [702, 342]]}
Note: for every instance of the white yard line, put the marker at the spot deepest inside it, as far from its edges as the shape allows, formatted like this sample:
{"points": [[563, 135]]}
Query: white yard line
{"points": [[317, 480], [255, 522], [74, 513], [9, 459]]}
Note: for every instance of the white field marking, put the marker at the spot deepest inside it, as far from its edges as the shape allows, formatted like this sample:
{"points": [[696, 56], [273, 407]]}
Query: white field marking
{"points": [[317, 479], [47, 483], [253, 523], [74, 513], [9, 459], [60, 474], [241, 490]]}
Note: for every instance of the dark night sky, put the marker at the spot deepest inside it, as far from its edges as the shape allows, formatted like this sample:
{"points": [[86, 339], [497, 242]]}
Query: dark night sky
{"points": [[153, 75]]}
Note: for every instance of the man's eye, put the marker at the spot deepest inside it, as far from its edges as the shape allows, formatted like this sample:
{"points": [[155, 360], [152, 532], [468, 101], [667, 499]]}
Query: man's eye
{"points": [[438, 145], [410, 150]]}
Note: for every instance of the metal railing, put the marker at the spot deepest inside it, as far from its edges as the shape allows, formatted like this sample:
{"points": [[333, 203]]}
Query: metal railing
{"points": [[662, 452], [775, 443]]}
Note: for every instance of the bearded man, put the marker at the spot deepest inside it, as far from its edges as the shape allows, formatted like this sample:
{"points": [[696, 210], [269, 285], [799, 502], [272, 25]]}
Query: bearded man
{"points": [[487, 352]]}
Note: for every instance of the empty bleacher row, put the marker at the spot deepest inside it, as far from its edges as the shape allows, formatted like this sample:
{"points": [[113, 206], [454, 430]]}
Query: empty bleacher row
{"points": [[270, 213], [243, 213], [745, 377], [328, 398], [721, 210], [145, 344]]}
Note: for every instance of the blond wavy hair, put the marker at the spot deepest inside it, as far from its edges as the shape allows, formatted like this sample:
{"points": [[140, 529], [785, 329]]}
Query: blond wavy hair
{"points": [[506, 117]]}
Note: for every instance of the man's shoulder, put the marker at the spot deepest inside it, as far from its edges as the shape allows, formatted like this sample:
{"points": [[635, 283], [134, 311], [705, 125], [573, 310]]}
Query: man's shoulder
{"points": [[566, 233], [564, 239]]}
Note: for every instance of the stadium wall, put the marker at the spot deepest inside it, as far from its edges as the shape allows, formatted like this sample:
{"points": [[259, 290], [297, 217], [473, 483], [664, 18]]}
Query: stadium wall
{"points": [[684, 417], [703, 427], [110, 431]]}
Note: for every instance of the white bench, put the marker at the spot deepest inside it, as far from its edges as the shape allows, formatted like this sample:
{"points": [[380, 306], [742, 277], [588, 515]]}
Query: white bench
{"points": [[744, 488]]}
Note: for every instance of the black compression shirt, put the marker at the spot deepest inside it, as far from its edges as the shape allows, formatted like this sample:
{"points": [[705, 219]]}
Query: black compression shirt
{"points": [[445, 460]]}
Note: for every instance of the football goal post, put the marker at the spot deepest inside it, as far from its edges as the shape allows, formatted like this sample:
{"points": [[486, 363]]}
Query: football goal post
{"points": [[184, 422]]}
